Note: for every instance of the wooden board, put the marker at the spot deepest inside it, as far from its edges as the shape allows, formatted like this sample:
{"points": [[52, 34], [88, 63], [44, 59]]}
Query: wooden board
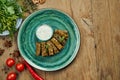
{"points": [[99, 55]]}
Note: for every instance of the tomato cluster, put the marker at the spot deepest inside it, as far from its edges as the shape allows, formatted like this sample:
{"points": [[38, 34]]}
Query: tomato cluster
{"points": [[19, 67]]}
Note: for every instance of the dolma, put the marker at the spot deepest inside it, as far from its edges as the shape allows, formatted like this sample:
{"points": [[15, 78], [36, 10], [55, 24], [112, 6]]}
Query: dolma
{"points": [[50, 48], [61, 39], [44, 50], [38, 48], [56, 43], [63, 33]]}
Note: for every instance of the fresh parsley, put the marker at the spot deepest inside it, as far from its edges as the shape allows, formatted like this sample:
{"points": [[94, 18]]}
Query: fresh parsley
{"points": [[9, 13]]}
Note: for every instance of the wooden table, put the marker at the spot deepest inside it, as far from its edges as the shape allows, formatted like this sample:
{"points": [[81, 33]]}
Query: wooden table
{"points": [[99, 54]]}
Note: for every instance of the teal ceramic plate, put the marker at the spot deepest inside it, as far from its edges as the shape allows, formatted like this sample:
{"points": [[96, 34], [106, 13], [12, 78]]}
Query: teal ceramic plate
{"points": [[57, 20]]}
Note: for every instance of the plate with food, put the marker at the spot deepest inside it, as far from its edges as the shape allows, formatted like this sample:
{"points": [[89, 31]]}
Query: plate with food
{"points": [[49, 39], [10, 17]]}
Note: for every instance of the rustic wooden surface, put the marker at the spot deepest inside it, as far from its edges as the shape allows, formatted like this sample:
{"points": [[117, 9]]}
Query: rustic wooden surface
{"points": [[99, 54]]}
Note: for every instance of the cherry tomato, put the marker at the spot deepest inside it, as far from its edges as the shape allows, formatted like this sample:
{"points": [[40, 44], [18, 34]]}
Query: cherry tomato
{"points": [[10, 62], [12, 76], [20, 67]]}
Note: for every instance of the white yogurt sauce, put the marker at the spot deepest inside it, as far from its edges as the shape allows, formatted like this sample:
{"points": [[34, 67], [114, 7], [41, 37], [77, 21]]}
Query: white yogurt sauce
{"points": [[44, 32]]}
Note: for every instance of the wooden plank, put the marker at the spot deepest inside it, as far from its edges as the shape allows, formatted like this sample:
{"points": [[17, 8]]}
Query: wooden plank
{"points": [[115, 35], [102, 38], [84, 66], [63, 5], [104, 42]]}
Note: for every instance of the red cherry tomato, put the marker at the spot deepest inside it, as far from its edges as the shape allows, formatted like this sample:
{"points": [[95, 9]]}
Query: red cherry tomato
{"points": [[10, 62], [20, 67], [12, 76]]}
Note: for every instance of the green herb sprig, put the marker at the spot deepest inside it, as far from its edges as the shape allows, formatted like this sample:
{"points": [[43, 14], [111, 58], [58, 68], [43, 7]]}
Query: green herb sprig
{"points": [[9, 13]]}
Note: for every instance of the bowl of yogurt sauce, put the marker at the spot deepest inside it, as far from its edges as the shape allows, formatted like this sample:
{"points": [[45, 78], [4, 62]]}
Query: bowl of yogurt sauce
{"points": [[44, 32]]}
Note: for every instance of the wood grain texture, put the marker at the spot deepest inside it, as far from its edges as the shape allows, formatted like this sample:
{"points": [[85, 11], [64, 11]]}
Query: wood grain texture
{"points": [[103, 31], [99, 55]]}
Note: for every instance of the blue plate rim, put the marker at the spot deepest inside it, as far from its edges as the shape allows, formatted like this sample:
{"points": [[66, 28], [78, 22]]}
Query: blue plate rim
{"points": [[68, 61]]}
